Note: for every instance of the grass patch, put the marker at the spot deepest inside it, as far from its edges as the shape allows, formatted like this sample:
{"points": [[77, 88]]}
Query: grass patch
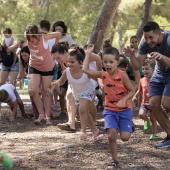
{"points": [[22, 91]]}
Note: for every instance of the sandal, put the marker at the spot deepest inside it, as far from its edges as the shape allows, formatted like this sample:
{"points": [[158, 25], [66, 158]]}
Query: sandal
{"points": [[113, 165], [39, 120], [6, 162], [97, 138]]}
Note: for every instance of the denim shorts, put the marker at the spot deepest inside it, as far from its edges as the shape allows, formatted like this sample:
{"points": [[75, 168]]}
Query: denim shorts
{"points": [[10, 69], [118, 120], [159, 84]]}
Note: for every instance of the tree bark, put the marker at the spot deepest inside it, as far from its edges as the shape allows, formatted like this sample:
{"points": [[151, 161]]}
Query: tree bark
{"points": [[48, 9], [35, 3], [100, 28], [145, 18]]}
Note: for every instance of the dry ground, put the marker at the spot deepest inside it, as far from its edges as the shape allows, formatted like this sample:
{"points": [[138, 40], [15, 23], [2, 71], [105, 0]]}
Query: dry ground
{"points": [[136, 154]]}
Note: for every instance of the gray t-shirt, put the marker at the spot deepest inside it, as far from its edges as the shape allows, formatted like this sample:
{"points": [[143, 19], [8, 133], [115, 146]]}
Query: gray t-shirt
{"points": [[163, 48]]}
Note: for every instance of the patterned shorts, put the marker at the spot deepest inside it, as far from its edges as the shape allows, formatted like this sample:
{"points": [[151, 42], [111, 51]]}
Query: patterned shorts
{"points": [[86, 95]]}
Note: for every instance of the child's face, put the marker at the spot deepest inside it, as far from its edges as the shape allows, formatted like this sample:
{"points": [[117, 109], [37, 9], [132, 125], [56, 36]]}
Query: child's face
{"points": [[60, 58], [34, 40], [6, 35], [72, 63], [110, 63], [147, 71], [134, 43]]}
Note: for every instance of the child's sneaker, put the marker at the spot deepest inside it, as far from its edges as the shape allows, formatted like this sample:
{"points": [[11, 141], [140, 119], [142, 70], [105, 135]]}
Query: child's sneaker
{"points": [[153, 136], [146, 125], [6, 162]]}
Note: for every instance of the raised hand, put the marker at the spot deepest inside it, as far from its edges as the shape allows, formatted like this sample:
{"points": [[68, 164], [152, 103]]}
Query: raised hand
{"points": [[90, 48], [129, 51]]}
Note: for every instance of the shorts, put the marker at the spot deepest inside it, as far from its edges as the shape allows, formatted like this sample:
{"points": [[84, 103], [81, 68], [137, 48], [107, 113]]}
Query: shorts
{"points": [[86, 95], [121, 120], [65, 85], [159, 84], [32, 70], [10, 69]]}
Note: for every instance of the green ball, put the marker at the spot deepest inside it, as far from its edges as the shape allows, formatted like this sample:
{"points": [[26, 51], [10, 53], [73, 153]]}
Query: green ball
{"points": [[7, 162]]}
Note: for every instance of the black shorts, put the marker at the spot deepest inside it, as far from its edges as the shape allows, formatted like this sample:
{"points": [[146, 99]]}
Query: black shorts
{"points": [[65, 85], [32, 70]]}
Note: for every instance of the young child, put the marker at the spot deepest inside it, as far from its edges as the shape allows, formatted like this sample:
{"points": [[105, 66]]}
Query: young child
{"points": [[8, 38], [6, 161], [82, 89], [118, 90], [147, 69], [9, 95]]}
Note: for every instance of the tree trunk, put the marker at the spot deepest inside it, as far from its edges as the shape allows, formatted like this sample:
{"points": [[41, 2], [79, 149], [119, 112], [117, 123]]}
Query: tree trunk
{"points": [[105, 16], [48, 9], [43, 3], [145, 18], [35, 3]]}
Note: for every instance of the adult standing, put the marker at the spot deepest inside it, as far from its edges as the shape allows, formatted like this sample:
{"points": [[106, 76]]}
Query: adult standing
{"points": [[156, 45], [41, 69]]}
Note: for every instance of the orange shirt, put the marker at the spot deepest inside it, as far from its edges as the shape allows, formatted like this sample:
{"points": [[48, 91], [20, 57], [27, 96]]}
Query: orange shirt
{"points": [[114, 90], [40, 58], [144, 88]]}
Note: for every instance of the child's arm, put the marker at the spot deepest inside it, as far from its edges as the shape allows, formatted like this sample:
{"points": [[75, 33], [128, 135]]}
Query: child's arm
{"points": [[60, 81], [92, 73], [130, 88], [52, 35], [13, 47], [137, 78], [137, 94], [14, 107]]}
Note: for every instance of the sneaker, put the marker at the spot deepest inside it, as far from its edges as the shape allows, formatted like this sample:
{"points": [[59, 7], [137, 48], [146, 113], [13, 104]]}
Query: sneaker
{"points": [[146, 125], [7, 162], [153, 136], [164, 144]]}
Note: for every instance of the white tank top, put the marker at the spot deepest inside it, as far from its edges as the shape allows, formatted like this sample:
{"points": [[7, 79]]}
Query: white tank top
{"points": [[80, 86]]}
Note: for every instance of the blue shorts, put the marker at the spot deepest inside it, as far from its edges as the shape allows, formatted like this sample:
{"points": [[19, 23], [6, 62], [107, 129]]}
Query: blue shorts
{"points": [[121, 120], [10, 69], [159, 84]]}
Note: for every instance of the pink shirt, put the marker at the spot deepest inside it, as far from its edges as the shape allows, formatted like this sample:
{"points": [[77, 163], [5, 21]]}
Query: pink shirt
{"points": [[40, 57]]}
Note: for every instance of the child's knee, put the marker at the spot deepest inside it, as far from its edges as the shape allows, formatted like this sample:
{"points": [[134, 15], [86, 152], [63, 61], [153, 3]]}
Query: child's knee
{"points": [[125, 137]]}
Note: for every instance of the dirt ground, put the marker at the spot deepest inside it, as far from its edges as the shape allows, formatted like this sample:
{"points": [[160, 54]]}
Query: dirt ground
{"points": [[136, 154]]}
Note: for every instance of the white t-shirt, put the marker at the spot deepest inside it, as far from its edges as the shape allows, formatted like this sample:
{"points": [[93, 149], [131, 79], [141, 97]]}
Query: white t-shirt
{"points": [[10, 89]]}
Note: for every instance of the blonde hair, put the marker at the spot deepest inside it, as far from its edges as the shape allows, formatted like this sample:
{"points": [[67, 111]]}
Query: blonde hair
{"points": [[3, 95]]}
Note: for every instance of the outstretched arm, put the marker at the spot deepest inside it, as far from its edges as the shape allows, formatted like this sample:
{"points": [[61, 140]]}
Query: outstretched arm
{"points": [[91, 73], [52, 35]]}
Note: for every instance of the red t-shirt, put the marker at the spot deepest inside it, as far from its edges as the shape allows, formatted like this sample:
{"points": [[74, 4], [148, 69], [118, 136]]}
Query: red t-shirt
{"points": [[144, 88], [114, 90]]}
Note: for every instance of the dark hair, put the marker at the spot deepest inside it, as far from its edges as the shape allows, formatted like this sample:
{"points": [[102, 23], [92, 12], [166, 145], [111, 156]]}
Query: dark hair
{"points": [[123, 62], [7, 30], [3, 52], [26, 50], [109, 49], [60, 47], [73, 46], [32, 29], [3, 95], [150, 62], [45, 24], [61, 24], [134, 36], [79, 54], [151, 26]]}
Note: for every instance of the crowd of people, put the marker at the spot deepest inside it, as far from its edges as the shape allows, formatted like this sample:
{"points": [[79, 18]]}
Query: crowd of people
{"points": [[57, 68]]}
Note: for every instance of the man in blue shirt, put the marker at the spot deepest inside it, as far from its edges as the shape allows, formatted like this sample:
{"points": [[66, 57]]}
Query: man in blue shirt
{"points": [[156, 45]]}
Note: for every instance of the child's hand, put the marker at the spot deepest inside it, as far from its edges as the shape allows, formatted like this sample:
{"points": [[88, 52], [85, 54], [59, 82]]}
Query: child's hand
{"points": [[53, 85], [121, 104], [128, 51], [90, 48]]}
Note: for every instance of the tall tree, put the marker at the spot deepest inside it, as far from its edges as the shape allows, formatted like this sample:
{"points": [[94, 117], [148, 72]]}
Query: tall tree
{"points": [[145, 17], [105, 16]]}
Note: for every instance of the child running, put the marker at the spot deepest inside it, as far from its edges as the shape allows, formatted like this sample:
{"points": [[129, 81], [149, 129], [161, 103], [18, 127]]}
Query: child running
{"points": [[147, 69], [82, 89], [118, 90]]}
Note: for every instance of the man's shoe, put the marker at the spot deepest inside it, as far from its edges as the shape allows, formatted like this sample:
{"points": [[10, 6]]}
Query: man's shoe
{"points": [[164, 144]]}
